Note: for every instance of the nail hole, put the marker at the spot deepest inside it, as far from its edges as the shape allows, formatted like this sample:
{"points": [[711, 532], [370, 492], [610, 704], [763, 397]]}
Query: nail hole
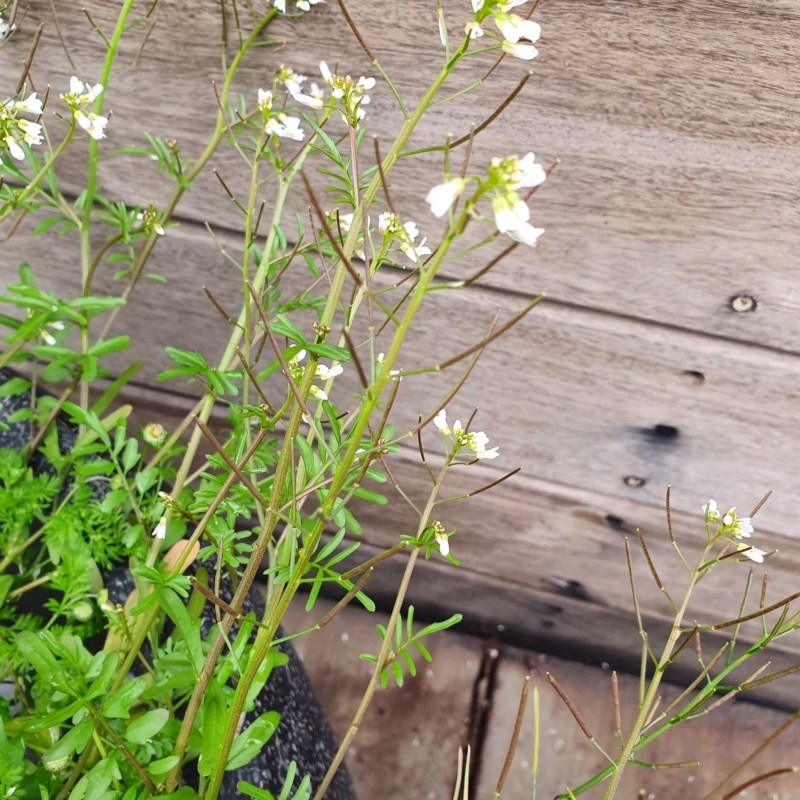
{"points": [[615, 523], [666, 431], [634, 481], [693, 376], [743, 303]]}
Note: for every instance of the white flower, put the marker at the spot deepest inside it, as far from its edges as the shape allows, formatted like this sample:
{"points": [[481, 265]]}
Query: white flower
{"points": [[294, 85], [710, 511], [5, 29], [30, 105], [285, 127], [31, 131], [326, 373], [740, 526], [160, 531], [82, 93], [353, 94], [444, 543], [515, 28], [753, 553], [512, 218], [406, 234], [14, 148], [93, 124], [264, 100], [440, 421], [79, 98], [477, 5], [527, 173], [318, 393], [442, 197], [526, 52], [473, 29]]}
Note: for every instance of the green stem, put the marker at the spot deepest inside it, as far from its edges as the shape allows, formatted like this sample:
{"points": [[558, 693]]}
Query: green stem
{"points": [[265, 635], [650, 696]]}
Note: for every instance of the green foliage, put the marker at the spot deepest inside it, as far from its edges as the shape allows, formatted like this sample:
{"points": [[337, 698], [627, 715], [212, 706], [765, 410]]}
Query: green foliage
{"points": [[112, 699]]}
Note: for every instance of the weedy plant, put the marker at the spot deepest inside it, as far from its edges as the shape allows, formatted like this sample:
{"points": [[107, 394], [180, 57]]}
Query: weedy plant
{"points": [[114, 698]]}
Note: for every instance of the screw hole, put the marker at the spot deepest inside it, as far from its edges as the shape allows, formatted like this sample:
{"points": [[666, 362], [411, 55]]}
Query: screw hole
{"points": [[743, 303], [634, 481], [693, 376]]}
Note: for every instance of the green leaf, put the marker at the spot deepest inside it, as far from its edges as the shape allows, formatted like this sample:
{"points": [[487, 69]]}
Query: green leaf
{"points": [[42, 660], [185, 628], [214, 714], [249, 743], [108, 665], [146, 726], [162, 767], [117, 704], [73, 741]]}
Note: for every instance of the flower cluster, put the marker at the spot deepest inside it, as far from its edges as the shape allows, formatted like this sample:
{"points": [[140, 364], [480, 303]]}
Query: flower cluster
{"points": [[518, 34], [294, 85], [80, 98], [505, 177], [474, 441], [353, 94], [14, 131], [149, 218], [404, 234], [322, 372], [277, 123], [731, 528], [301, 5]]}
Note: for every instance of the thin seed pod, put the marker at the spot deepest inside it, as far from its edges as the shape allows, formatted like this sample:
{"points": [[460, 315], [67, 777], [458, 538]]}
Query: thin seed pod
{"points": [[571, 706], [512, 745]]}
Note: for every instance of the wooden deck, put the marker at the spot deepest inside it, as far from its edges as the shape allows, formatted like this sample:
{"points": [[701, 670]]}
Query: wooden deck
{"points": [[665, 353]]}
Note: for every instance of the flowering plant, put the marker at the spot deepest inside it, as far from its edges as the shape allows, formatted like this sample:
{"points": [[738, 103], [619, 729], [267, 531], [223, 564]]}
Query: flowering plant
{"points": [[131, 532], [152, 539]]}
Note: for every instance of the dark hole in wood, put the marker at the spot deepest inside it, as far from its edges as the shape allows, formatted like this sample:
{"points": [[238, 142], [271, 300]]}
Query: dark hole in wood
{"points": [[666, 432], [576, 589], [694, 376], [634, 481], [546, 623], [615, 523]]}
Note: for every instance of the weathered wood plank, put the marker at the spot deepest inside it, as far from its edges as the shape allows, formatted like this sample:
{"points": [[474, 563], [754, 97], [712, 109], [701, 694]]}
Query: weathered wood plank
{"points": [[719, 740], [661, 113], [588, 399]]}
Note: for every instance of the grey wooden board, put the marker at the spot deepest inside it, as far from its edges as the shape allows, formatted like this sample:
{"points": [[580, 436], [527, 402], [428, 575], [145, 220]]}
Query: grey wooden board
{"points": [[718, 740], [408, 742], [582, 391], [656, 219], [673, 123], [559, 583]]}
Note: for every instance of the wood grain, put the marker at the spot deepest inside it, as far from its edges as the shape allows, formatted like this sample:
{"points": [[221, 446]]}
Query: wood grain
{"points": [[675, 126], [673, 122]]}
